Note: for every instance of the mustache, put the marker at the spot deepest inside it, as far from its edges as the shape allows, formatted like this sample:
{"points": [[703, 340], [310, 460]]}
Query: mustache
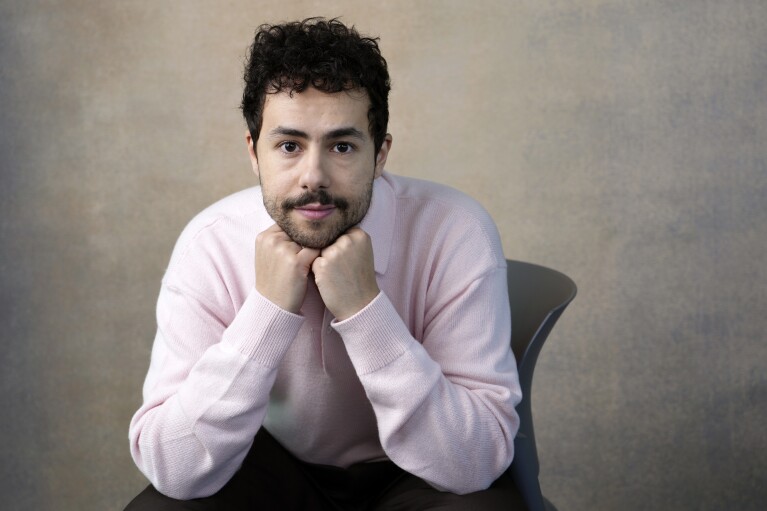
{"points": [[321, 197]]}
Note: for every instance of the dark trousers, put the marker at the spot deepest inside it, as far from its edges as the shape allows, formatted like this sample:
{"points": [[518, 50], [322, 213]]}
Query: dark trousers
{"points": [[272, 479]]}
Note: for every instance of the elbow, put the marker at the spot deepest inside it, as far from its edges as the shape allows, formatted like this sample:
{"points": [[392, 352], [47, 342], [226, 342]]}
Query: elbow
{"points": [[183, 490], [183, 485], [480, 483], [463, 487], [180, 481], [471, 481]]}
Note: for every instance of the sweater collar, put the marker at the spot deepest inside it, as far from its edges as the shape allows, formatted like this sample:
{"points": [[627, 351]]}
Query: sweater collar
{"points": [[379, 222]]}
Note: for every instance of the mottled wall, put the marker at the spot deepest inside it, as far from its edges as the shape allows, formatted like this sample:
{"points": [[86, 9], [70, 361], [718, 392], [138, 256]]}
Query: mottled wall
{"points": [[623, 142]]}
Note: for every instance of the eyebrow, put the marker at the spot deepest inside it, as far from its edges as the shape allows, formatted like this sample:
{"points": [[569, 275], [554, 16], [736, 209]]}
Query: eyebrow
{"points": [[349, 131], [345, 132]]}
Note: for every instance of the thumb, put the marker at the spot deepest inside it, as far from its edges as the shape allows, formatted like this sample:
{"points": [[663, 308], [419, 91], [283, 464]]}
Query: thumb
{"points": [[306, 257]]}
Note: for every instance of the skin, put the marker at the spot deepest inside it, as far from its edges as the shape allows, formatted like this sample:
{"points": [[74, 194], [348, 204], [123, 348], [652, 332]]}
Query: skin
{"points": [[313, 144]]}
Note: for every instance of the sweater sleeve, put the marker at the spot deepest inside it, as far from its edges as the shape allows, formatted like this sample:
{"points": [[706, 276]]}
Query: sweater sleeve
{"points": [[207, 389], [445, 407]]}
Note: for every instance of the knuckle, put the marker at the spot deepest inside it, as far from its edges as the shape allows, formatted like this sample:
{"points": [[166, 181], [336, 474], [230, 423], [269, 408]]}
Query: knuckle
{"points": [[329, 252], [360, 235], [318, 266]]}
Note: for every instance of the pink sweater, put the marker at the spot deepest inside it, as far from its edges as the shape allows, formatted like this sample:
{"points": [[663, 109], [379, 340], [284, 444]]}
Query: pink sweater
{"points": [[423, 376]]}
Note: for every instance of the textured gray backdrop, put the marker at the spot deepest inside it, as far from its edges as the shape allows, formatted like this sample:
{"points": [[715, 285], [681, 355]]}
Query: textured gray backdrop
{"points": [[623, 142]]}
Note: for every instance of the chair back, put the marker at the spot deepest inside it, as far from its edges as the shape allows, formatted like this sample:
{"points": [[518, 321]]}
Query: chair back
{"points": [[537, 297]]}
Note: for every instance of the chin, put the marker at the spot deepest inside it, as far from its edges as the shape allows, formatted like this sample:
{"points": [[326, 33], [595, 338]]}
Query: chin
{"points": [[315, 240]]}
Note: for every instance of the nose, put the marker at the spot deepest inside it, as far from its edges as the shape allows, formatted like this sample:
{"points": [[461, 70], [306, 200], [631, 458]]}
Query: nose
{"points": [[314, 175]]}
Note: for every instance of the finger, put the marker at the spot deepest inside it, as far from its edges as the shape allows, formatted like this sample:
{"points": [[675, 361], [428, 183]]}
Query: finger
{"points": [[274, 236], [307, 256], [356, 234], [273, 232], [273, 229]]}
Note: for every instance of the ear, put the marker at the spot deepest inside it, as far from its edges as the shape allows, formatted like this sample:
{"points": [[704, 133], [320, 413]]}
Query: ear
{"points": [[252, 153], [383, 153]]}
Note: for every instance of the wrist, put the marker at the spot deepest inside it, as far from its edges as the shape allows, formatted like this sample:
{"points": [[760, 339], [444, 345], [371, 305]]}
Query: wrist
{"points": [[357, 307]]}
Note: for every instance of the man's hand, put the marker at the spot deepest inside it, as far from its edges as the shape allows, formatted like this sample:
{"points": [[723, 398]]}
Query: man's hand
{"points": [[282, 268], [345, 275]]}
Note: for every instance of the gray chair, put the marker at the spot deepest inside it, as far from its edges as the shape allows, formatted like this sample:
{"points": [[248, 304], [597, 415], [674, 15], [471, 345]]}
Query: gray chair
{"points": [[537, 297]]}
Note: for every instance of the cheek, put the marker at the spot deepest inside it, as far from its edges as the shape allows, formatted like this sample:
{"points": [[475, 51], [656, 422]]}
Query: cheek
{"points": [[276, 188]]}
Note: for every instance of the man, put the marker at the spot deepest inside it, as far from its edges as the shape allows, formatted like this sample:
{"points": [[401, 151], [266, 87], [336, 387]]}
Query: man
{"points": [[357, 357]]}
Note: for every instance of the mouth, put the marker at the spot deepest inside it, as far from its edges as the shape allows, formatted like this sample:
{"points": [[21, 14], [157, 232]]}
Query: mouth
{"points": [[316, 211]]}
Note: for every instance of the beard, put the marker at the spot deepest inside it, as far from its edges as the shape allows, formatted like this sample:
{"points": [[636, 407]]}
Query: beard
{"points": [[318, 234]]}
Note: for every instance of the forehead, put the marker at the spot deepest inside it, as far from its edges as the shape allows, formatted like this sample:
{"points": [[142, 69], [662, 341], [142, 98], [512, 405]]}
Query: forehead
{"points": [[313, 110]]}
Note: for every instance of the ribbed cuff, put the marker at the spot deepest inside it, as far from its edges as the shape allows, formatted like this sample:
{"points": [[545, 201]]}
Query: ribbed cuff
{"points": [[375, 336], [262, 330]]}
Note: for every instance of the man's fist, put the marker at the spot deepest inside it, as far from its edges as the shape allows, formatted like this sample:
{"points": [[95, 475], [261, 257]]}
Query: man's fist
{"points": [[345, 275], [282, 268]]}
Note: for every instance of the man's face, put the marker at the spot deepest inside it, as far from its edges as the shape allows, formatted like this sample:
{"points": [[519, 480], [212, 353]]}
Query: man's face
{"points": [[315, 159]]}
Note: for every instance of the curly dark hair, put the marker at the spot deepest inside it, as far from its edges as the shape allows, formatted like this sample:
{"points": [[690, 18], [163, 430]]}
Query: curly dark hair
{"points": [[320, 53]]}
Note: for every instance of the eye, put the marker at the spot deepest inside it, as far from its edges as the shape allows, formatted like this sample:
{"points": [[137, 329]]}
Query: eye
{"points": [[343, 147], [289, 147]]}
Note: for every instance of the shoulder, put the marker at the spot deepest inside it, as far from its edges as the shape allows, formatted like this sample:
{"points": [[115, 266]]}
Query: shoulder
{"points": [[232, 208], [440, 203], [409, 188], [222, 225], [452, 221]]}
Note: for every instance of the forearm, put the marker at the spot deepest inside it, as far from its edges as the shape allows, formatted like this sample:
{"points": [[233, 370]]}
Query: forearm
{"points": [[201, 412], [446, 415], [190, 444], [457, 439]]}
